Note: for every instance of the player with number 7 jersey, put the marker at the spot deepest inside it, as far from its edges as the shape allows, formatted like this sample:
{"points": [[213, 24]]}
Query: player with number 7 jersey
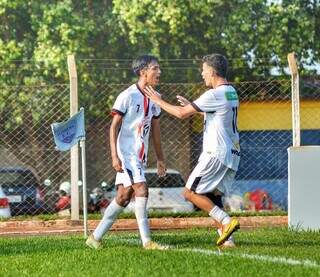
{"points": [[137, 112], [133, 117]]}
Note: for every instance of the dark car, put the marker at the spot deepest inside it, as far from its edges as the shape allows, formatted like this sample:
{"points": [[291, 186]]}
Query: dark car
{"points": [[23, 191]]}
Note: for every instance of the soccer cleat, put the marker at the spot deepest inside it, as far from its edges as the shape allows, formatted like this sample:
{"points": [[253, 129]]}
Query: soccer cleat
{"points": [[227, 231], [152, 245], [93, 243], [228, 244]]}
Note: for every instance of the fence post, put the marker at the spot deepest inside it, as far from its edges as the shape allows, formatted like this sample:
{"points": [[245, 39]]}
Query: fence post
{"points": [[74, 154], [295, 98]]}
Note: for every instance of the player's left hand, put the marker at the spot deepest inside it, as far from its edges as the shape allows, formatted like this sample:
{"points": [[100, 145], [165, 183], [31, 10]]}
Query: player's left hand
{"points": [[162, 169], [152, 94], [183, 101]]}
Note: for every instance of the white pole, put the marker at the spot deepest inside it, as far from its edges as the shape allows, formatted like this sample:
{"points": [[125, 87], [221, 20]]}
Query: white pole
{"points": [[295, 98], [74, 153], [84, 186]]}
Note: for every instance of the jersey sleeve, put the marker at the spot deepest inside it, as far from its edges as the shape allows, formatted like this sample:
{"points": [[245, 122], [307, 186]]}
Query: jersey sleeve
{"points": [[208, 102], [120, 106], [156, 112]]}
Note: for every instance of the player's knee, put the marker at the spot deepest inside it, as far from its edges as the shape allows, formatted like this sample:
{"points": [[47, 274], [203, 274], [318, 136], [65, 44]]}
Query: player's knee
{"points": [[141, 190], [123, 198]]}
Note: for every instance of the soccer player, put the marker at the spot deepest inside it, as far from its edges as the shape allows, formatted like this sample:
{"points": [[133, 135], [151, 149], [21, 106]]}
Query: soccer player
{"points": [[219, 160], [134, 116]]}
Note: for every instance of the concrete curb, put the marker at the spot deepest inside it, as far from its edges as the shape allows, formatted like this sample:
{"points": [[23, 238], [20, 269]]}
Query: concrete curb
{"points": [[65, 226]]}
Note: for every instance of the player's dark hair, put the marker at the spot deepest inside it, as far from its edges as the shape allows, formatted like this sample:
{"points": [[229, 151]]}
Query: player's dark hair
{"points": [[218, 62], [142, 62]]}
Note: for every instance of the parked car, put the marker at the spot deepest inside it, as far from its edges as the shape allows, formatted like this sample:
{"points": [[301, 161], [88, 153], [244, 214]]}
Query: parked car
{"points": [[4, 205], [23, 190], [165, 193]]}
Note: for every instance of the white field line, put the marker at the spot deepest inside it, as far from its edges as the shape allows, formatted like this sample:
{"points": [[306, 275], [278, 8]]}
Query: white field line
{"points": [[263, 258]]}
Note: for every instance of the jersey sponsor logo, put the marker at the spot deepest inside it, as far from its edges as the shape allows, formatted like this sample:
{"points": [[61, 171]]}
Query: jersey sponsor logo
{"points": [[231, 95], [235, 152]]}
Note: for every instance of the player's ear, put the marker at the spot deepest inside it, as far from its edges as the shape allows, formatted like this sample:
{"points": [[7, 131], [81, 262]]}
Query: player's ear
{"points": [[143, 72]]}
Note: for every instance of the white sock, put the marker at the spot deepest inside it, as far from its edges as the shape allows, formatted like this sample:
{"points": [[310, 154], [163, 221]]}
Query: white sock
{"points": [[220, 232], [110, 215], [142, 219], [220, 215]]}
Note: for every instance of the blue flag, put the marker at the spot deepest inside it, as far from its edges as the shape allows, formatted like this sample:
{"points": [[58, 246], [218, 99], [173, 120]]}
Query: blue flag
{"points": [[68, 133]]}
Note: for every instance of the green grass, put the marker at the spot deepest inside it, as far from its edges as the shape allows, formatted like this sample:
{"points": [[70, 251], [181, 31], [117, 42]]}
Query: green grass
{"points": [[151, 215], [123, 256]]}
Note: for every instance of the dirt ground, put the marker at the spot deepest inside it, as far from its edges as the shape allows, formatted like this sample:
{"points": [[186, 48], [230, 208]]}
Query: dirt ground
{"points": [[64, 226]]}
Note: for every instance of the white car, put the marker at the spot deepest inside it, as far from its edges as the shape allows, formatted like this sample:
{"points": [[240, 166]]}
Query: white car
{"points": [[4, 205], [165, 193]]}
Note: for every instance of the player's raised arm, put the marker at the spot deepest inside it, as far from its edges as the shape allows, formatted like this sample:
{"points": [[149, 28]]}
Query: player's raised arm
{"points": [[177, 111], [185, 102]]}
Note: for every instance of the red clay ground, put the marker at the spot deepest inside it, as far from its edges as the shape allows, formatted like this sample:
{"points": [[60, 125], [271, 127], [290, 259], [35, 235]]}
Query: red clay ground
{"points": [[63, 226]]}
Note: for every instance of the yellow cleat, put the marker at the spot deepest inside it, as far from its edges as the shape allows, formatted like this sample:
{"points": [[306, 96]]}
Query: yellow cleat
{"points": [[152, 245], [228, 230], [93, 243], [228, 244]]}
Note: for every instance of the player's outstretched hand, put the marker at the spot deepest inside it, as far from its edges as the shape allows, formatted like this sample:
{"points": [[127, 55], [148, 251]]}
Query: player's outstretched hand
{"points": [[162, 169], [182, 101], [152, 94], [117, 164]]}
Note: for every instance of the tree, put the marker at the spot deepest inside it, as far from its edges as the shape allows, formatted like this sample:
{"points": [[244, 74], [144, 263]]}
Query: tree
{"points": [[253, 34]]}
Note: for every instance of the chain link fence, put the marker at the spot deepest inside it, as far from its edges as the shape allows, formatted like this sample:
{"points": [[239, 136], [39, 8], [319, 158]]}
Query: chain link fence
{"points": [[265, 134], [30, 167], [35, 177]]}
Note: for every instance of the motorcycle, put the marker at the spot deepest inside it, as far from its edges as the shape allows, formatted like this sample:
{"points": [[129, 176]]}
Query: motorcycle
{"points": [[99, 199]]}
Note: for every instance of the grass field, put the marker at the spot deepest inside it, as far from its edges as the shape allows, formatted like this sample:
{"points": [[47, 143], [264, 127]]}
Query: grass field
{"points": [[151, 214], [261, 252]]}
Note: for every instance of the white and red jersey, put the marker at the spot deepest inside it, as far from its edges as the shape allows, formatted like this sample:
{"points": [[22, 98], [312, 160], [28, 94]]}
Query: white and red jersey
{"points": [[137, 111], [220, 136]]}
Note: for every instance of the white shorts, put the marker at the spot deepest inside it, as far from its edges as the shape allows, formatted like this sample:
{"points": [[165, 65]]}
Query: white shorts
{"points": [[210, 174], [133, 172]]}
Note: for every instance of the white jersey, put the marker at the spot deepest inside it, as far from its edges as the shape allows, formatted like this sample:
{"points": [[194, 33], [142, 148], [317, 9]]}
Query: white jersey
{"points": [[137, 111], [220, 136]]}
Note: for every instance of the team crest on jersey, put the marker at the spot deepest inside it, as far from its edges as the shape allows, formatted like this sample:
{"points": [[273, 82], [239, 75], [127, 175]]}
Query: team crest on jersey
{"points": [[231, 95]]}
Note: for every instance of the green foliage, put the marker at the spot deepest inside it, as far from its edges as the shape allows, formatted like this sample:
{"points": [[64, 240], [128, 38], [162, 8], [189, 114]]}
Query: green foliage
{"points": [[37, 36], [253, 34]]}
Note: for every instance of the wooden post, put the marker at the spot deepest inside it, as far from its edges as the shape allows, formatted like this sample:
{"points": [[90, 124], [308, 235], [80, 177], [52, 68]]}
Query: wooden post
{"points": [[295, 98], [74, 153]]}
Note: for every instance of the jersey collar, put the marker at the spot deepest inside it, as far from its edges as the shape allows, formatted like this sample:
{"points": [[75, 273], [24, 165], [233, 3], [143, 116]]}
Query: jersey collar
{"points": [[140, 89], [225, 84]]}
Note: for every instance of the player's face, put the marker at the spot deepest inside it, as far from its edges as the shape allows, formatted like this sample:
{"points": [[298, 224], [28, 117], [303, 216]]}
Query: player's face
{"points": [[207, 74], [153, 73]]}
